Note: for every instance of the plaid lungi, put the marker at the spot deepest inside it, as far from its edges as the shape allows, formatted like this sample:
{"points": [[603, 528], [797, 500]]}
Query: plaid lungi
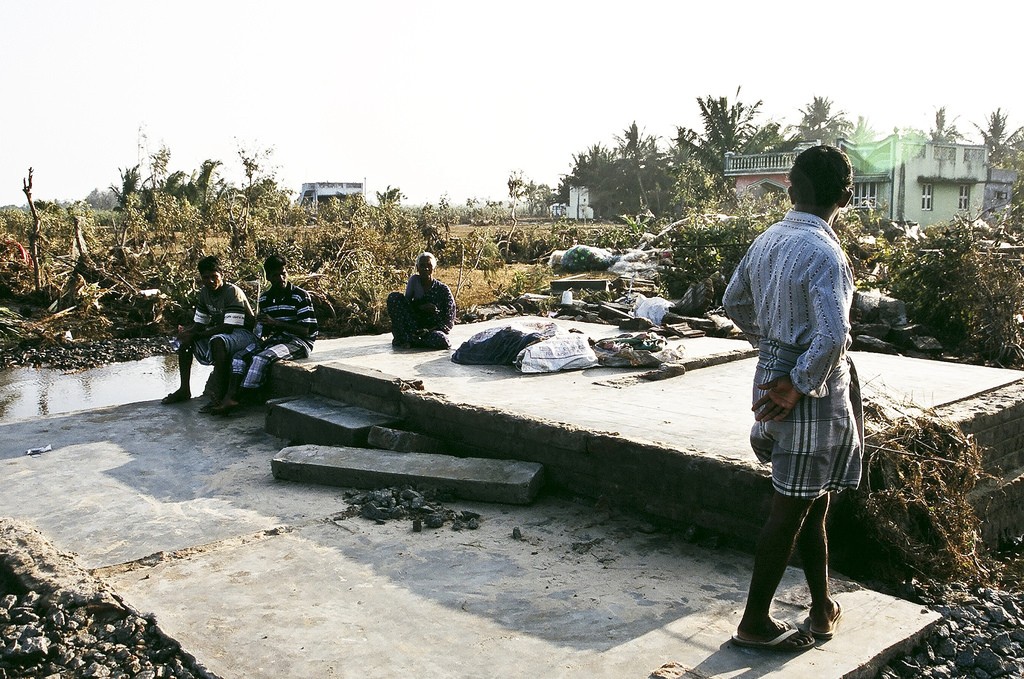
{"points": [[817, 448], [254, 360], [236, 340]]}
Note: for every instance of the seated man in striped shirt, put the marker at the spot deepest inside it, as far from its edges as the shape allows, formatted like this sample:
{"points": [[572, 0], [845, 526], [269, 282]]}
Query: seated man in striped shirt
{"points": [[286, 327], [219, 329]]}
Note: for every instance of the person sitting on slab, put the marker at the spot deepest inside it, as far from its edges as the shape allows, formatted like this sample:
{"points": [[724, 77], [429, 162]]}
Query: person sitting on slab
{"points": [[220, 328], [425, 314], [286, 327]]}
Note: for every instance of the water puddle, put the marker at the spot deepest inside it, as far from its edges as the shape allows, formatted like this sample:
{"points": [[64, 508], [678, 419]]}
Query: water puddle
{"points": [[32, 392]]}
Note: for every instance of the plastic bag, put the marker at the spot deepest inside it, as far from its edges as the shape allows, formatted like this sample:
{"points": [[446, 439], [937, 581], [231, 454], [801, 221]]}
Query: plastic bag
{"points": [[501, 345], [570, 351], [652, 308], [587, 258]]}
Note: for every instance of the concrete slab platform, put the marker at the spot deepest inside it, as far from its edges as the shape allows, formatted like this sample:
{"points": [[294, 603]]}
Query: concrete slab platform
{"points": [[706, 410], [469, 478], [584, 594], [259, 578], [256, 577]]}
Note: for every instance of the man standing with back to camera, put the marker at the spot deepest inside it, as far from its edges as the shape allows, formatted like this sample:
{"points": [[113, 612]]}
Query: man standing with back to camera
{"points": [[791, 296]]}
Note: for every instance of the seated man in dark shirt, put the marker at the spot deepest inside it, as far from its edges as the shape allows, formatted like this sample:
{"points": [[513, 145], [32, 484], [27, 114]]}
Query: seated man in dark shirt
{"points": [[286, 327], [218, 330]]}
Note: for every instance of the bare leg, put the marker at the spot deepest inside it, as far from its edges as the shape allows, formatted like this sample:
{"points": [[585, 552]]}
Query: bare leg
{"points": [[774, 548], [221, 369], [231, 395], [184, 391], [812, 545]]}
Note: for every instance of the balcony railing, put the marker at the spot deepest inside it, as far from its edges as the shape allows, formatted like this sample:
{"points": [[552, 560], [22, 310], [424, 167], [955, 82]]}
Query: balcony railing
{"points": [[759, 163]]}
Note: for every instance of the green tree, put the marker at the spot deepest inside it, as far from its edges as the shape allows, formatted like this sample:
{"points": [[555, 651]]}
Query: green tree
{"points": [[1001, 143], [516, 192], [392, 195], [594, 169], [944, 132], [862, 132], [818, 122], [728, 127], [131, 185], [644, 173]]}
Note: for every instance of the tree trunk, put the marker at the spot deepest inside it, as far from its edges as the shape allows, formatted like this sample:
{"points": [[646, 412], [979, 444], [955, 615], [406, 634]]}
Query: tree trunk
{"points": [[37, 230]]}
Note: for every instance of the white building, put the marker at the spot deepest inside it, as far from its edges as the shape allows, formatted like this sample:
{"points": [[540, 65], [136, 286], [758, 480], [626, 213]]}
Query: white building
{"points": [[313, 192], [579, 203]]}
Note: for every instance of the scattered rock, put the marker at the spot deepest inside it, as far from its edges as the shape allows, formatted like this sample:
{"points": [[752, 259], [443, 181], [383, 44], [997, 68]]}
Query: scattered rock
{"points": [[423, 508], [78, 627]]}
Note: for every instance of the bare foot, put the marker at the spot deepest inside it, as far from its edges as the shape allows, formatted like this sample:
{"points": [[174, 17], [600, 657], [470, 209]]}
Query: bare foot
{"points": [[225, 407]]}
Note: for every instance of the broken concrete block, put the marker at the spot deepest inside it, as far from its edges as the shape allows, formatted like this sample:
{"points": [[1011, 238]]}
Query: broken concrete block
{"points": [[404, 441], [470, 478]]}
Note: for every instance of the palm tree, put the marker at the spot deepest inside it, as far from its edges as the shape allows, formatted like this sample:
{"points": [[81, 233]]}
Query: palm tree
{"points": [[641, 165], [943, 132], [595, 169], [819, 123], [1000, 142], [727, 128], [863, 133], [131, 184]]}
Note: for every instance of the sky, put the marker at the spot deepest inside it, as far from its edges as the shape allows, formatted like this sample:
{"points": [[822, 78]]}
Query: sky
{"points": [[447, 98]]}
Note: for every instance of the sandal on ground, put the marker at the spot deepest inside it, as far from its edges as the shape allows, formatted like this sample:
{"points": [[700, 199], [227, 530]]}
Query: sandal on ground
{"points": [[827, 634], [210, 407], [176, 397], [788, 640]]}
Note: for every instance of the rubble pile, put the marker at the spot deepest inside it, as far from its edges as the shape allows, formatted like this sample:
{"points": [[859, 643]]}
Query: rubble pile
{"points": [[406, 503], [980, 635], [880, 325], [57, 620], [72, 355]]}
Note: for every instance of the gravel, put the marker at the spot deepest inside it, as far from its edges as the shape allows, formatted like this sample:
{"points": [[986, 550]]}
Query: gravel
{"points": [[57, 620], [981, 635], [74, 355]]}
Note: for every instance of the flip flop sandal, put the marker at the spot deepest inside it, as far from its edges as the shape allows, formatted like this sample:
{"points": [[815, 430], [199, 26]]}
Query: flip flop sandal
{"points": [[210, 407], [175, 397], [826, 635], [783, 643]]}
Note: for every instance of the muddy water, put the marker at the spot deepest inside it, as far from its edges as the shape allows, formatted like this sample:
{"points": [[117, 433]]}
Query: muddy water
{"points": [[31, 392]]}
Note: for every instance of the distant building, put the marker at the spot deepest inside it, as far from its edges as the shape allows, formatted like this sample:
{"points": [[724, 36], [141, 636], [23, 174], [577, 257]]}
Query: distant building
{"points": [[313, 192], [911, 179], [579, 203]]}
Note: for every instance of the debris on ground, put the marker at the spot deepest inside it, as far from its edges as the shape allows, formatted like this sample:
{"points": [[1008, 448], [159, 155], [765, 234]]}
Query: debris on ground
{"points": [[919, 472], [57, 620], [424, 508]]}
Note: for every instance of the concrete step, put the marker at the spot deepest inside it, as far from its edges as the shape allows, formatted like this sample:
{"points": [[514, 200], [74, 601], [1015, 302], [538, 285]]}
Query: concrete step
{"points": [[505, 481], [401, 441], [313, 419]]}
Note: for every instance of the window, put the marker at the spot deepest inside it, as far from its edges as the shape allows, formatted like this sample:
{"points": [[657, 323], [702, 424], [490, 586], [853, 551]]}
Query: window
{"points": [[1000, 195], [974, 155], [944, 153], [914, 150], [865, 194], [965, 197], [926, 196]]}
